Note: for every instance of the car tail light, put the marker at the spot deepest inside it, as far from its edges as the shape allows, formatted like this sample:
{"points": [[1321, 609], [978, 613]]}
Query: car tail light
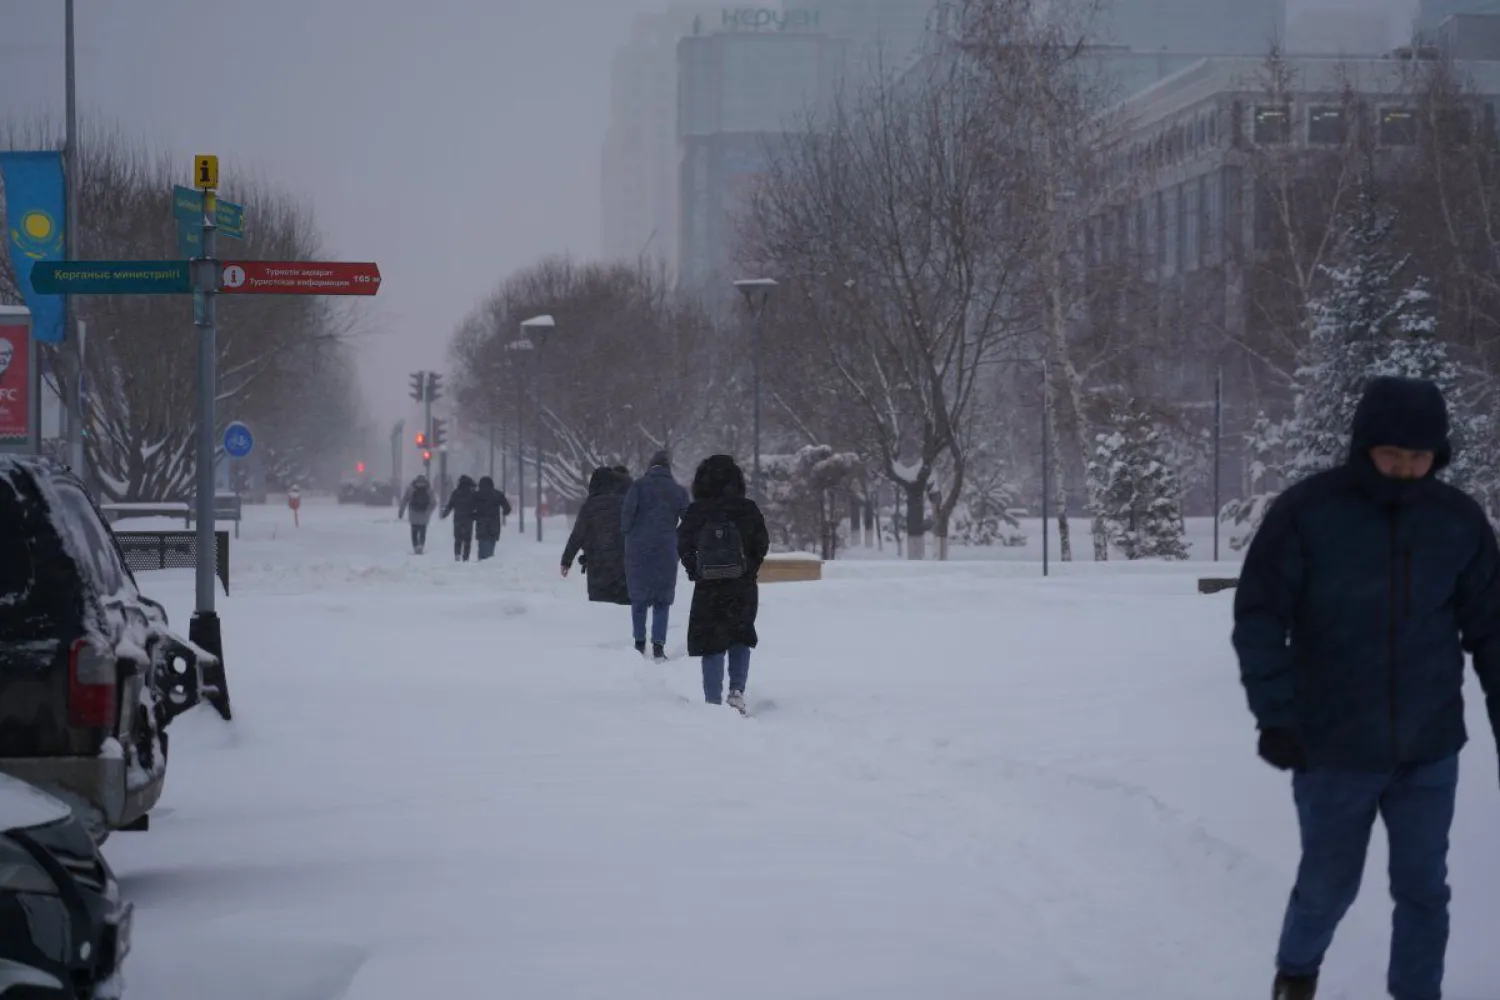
{"points": [[91, 687]]}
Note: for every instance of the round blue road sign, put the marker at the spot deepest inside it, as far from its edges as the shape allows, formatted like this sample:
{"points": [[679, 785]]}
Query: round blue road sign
{"points": [[238, 441]]}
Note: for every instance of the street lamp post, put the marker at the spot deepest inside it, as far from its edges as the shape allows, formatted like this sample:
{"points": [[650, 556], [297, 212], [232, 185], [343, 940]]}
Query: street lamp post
{"points": [[520, 345], [757, 292], [534, 330]]}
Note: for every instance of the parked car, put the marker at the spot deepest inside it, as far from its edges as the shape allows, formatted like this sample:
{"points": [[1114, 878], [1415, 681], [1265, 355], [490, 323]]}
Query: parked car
{"points": [[90, 673], [351, 492], [379, 493], [64, 930]]}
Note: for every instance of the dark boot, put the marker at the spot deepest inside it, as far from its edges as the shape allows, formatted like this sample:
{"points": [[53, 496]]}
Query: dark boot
{"points": [[640, 647], [1294, 987], [659, 652]]}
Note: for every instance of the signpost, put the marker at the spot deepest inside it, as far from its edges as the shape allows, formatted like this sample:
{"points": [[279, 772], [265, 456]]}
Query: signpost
{"points": [[20, 383], [281, 277], [111, 277], [187, 207], [205, 276], [238, 441]]}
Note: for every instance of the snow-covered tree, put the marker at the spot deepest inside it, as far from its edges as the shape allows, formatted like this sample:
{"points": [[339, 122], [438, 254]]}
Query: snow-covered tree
{"points": [[1372, 319], [1140, 498], [1265, 444]]}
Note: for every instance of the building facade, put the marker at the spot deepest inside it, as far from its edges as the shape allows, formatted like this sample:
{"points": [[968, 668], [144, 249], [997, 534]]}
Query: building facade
{"points": [[740, 90]]}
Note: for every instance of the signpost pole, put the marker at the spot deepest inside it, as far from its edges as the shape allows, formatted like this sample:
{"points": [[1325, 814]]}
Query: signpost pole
{"points": [[204, 629]]}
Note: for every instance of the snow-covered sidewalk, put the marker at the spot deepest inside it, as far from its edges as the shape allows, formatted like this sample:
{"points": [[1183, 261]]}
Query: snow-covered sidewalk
{"points": [[959, 782]]}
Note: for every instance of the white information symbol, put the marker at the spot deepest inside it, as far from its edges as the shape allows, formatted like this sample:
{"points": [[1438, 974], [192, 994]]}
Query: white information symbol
{"points": [[234, 276]]}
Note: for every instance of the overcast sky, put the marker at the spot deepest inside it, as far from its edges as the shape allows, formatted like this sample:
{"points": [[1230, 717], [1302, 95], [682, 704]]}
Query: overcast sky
{"points": [[449, 140]]}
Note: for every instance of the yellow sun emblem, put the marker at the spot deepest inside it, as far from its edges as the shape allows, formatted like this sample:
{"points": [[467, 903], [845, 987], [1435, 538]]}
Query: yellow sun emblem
{"points": [[37, 236]]}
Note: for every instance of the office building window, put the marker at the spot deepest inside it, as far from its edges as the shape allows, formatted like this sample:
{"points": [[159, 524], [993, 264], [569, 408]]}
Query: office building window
{"points": [[1327, 125], [1398, 127], [1171, 221], [1273, 125]]}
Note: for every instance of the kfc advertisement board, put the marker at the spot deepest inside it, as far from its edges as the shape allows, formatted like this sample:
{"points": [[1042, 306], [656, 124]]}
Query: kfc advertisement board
{"points": [[17, 381]]}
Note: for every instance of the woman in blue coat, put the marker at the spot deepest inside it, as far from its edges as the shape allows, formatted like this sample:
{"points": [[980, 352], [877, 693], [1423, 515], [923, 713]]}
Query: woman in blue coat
{"points": [[653, 507]]}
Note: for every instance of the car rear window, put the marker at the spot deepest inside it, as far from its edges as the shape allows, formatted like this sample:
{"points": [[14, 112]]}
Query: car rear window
{"points": [[17, 547]]}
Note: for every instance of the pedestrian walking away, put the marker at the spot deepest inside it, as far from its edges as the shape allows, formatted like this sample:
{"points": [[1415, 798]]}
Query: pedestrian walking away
{"points": [[597, 542], [1361, 592], [653, 507], [461, 506], [417, 505], [489, 507], [722, 543]]}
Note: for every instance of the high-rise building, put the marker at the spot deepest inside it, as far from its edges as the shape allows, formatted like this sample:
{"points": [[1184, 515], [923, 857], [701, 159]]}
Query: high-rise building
{"points": [[1340, 28], [639, 160], [1432, 13], [740, 89], [1220, 27]]}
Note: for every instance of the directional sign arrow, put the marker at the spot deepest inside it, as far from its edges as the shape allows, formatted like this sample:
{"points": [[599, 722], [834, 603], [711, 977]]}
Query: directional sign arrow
{"points": [[111, 277], [299, 277], [187, 206]]}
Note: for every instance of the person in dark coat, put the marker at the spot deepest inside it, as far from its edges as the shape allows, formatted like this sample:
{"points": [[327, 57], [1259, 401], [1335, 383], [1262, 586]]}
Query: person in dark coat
{"points": [[1360, 594], [418, 502], [721, 622], [461, 505], [489, 506], [596, 534], [654, 505]]}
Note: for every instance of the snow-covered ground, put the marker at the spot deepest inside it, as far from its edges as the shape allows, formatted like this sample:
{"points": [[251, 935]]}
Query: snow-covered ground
{"points": [[961, 781]]}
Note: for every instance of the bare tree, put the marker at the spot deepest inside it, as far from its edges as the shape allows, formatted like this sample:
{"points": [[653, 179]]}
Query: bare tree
{"points": [[892, 219]]}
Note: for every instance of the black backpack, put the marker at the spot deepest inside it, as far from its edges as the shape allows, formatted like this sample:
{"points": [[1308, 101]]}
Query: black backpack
{"points": [[721, 552], [421, 499]]}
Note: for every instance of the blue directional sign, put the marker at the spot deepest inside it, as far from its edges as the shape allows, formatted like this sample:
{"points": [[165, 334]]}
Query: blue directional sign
{"points": [[238, 441]]}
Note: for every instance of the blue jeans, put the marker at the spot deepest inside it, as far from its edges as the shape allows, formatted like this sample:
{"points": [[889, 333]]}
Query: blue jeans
{"points": [[713, 673], [659, 614], [1336, 811]]}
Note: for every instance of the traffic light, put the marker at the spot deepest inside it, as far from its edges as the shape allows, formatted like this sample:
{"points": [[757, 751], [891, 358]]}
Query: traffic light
{"points": [[418, 386], [438, 437], [421, 440], [359, 467], [426, 456], [434, 387]]}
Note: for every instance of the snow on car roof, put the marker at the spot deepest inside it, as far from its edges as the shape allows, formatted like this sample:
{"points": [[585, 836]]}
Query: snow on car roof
{"points": [[23, 805]]}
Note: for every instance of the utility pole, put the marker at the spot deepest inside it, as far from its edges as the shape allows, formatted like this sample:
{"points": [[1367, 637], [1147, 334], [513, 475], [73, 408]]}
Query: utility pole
{"points": [[204, 627], [1218, 444], [72, 329]]}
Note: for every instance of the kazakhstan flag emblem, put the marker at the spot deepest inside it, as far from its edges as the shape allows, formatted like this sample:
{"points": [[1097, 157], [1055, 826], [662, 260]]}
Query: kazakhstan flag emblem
{"points": [[38, 235]]}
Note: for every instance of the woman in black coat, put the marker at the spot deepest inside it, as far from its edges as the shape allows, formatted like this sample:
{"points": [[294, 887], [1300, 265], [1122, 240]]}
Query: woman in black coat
{"points": [[461, 506], [489, 507], [597, 533], [726, 596]]}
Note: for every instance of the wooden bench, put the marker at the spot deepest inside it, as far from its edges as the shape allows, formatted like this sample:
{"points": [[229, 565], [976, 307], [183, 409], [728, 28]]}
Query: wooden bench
{"points": [[792, 568], [1216, 585]]}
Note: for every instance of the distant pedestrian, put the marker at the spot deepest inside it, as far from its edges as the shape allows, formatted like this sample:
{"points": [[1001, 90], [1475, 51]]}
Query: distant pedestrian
{"points": [[461, 506], [722, 543], [1361, 592], [597, 541], [418, 504], [489, 507], [653, 507]]}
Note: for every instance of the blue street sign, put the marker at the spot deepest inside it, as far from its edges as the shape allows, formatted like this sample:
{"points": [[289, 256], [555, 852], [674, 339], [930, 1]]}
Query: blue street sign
{"points": [[238, 441]]}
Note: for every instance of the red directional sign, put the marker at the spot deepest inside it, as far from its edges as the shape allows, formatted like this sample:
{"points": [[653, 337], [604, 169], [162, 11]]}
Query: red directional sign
{"points": [[298, 277]]}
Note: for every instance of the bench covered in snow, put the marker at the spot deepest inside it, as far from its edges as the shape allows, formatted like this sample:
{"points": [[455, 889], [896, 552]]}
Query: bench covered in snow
{"points": [[791, 567]]}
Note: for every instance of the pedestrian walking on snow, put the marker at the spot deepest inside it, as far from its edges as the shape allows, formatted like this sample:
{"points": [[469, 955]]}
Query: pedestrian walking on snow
{"points": [[461, 506], [417, 504], [654, 505], [597, 542], [1360, 594], [489, 507], [722, 543]]}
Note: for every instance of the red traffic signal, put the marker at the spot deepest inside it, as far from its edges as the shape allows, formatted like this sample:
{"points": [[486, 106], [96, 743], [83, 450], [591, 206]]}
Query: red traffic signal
{"points": [[426, 456], [359, 467], [421, 439]]}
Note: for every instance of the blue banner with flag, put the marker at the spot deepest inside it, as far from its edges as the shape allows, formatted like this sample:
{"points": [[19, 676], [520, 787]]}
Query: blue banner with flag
{"points": [[34, 228]]}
